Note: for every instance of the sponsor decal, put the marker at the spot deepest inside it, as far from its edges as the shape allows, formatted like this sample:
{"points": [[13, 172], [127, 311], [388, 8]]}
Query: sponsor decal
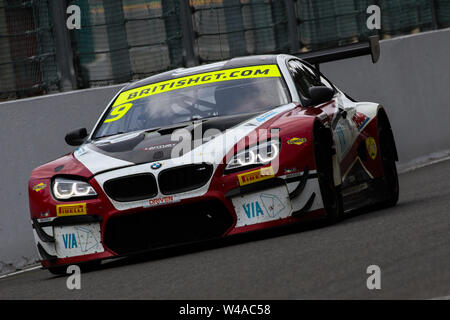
{"points": [[45, 220], [45, 214], [82, 238], [69, 240], [266, 116], [253, 209], [271, 203], [268, 205], [39, 187], [255, 176], [263, 71], [372, 148], [340, 133], [366, 121], [156, 165], [290, 170], [360, 120], [159, 147], [161, 201], [118, 112], [122, 104], [71, 210], [297, 141], [78, 240], [80, 151]]}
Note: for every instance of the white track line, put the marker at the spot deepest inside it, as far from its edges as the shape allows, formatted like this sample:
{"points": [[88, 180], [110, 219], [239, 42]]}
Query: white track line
{"points": [[19, 272], [422, 165], [441, 298]]}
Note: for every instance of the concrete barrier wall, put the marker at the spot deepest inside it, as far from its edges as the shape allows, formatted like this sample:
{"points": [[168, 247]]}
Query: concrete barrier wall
{"points": [[412, 80], [32, 133]]}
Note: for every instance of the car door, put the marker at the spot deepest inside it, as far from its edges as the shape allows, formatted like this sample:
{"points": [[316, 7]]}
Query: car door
{"points": [[340, 110]]}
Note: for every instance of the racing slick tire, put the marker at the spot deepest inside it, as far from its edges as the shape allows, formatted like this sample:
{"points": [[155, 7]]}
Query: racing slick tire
{"points": [[390, 185], [331, 194], [58, 271]]}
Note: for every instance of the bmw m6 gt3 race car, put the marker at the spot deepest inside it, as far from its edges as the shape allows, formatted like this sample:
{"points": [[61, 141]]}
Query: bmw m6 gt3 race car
{"points": [[209, 152]]}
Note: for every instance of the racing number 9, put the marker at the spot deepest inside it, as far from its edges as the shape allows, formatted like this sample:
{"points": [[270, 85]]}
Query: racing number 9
{"points": [[118, 112]]}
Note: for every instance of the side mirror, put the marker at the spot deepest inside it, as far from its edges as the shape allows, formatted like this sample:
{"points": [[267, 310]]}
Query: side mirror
{"points": [[76, 137], [320, 94]]}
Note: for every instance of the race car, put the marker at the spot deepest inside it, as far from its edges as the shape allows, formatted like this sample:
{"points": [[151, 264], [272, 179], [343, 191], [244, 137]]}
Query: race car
{"points": [[209, 152]]}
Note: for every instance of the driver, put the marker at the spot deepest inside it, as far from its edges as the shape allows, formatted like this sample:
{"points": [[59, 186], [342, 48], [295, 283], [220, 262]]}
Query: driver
{"points": [[232, 98]]}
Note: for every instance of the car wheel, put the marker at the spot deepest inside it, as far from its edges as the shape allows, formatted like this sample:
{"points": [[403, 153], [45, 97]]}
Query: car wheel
{"points": [[58, 271], [331, 194], [388, 162], [90, 266]]}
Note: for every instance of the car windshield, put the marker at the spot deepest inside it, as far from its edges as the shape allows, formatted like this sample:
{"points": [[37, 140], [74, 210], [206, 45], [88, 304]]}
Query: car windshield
{"points": [[206, 95]]}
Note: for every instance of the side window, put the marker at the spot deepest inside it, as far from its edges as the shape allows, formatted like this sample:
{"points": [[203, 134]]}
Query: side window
{"points": [[304, 78]]}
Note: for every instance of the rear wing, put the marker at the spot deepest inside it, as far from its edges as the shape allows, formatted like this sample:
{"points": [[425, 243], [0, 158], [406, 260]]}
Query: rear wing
{"points": [[371, 47]]}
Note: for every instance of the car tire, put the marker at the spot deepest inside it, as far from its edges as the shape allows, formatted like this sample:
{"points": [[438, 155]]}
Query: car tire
{"points": [[331, 194], [390, 185], [58, 271], [90, 265]]}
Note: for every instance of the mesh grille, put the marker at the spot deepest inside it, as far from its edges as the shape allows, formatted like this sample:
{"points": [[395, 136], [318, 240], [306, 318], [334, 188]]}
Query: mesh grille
{"points": [[125, 40], [184, 178], [27, 49], [131, 188], [167, 227]]}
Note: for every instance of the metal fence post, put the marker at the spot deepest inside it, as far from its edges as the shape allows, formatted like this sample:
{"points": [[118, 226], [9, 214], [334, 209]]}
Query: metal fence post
{"points": [[434, 17], [117, 41], [380, 31], [235, 28], [7, 74], [188, 33], [63, 47], [291, 15]]}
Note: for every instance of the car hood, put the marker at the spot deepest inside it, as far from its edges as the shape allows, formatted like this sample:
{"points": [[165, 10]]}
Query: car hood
{"points": [[157, 145]]}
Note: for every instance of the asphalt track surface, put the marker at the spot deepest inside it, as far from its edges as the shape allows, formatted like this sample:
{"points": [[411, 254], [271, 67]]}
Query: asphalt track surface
{"points": [[410, 243]]}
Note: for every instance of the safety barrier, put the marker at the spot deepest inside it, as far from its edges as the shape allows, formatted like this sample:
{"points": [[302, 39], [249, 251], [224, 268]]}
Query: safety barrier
{"points": [[410, 80]]}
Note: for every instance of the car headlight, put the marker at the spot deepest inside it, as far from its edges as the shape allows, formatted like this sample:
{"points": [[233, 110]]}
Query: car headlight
{"points": [[260, 154], [64, 189]]}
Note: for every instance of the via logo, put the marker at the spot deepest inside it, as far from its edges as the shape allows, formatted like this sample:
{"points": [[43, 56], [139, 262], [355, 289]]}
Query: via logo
{"points": [[253, 209], [70, 241]]}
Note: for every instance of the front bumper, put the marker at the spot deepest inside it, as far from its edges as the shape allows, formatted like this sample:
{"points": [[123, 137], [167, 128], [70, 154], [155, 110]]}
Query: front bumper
{"points": [[273, 202], [68, 240]]}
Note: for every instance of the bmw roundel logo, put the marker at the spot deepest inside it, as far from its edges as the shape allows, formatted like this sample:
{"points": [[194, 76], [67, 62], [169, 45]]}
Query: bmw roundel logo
{"points": [[156, 165]]}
